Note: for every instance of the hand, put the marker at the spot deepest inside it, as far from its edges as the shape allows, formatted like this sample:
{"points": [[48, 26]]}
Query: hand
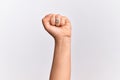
{"points": [[57, 25]]}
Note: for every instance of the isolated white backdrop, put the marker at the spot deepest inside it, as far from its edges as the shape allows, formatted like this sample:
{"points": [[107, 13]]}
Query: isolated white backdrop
{"points": [[26, 49]]}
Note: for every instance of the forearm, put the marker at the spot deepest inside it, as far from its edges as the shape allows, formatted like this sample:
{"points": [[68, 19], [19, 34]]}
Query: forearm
{"points": [[62, 60]]}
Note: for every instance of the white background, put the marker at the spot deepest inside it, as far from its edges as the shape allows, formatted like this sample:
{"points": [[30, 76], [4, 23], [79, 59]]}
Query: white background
{"points": [[26, 49]]}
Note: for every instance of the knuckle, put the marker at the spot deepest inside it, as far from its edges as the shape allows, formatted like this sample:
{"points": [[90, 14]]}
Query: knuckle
{"points": [[66, 18], [58, 15], [48, 15]]}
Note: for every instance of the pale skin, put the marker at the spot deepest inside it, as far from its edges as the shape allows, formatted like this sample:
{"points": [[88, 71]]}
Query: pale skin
{"points": [[61, 32]]}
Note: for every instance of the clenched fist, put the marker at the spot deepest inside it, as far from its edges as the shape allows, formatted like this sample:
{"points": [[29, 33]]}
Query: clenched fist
{"points": [[57, 25]]}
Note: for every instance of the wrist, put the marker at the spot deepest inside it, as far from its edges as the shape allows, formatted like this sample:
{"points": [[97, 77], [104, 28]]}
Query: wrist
{"points": [[63, 45], [63, 40]]}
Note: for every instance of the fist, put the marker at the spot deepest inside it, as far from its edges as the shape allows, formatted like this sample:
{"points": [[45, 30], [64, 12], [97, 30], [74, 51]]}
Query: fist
{"points": [[57, 25]]}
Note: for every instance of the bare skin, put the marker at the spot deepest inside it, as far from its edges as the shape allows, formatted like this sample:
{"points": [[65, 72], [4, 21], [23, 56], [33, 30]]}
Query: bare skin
{"points": [[61, 32]]}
